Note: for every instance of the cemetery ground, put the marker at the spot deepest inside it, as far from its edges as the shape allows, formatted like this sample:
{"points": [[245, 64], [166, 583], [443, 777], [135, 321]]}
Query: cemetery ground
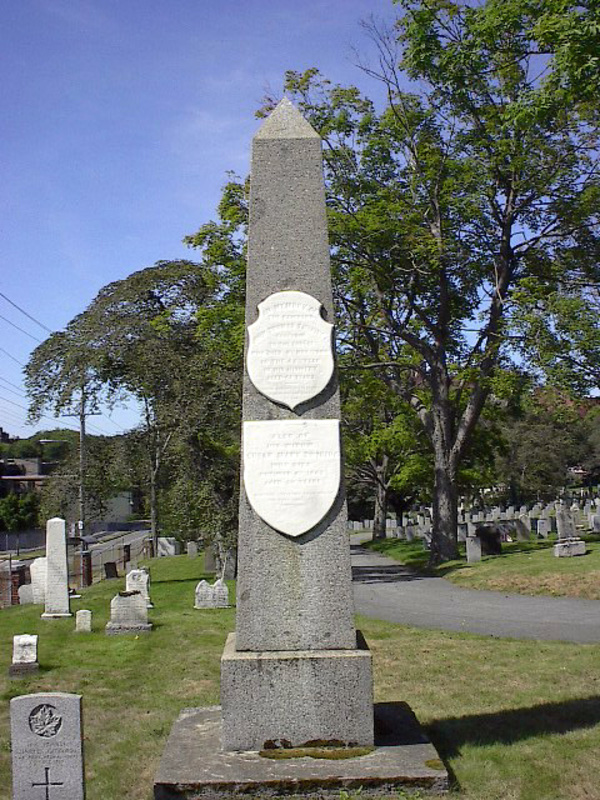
{"points": [[522, 568], [514, 720]]}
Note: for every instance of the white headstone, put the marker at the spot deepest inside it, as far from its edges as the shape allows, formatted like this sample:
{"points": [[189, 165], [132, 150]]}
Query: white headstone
{"points": [[47, 747], [25, 591], [215, 596], [138, 580], [543, 527], [37, 570], [168, 546], [128, 614], [83, 621], [290, 348], [292, 471], [57, 573], [25, 649]]}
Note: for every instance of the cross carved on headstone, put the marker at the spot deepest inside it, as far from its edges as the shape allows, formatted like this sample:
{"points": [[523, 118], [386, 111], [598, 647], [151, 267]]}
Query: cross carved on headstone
{"points": [[48, 783]]}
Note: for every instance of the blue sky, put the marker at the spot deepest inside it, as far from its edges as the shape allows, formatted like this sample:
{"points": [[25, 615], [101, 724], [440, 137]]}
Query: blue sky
{"points": [[120, 120]]}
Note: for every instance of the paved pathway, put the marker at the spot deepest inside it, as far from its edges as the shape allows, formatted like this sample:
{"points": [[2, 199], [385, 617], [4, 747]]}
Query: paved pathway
{"points": [[387, 590]]}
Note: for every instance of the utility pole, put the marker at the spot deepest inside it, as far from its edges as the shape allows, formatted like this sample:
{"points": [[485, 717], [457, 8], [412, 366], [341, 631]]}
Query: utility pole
{"points": [[82, 415]]}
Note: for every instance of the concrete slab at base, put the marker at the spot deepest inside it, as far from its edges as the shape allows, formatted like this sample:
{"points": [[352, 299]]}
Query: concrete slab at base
{"points": [[292, 697], [193, 766]]}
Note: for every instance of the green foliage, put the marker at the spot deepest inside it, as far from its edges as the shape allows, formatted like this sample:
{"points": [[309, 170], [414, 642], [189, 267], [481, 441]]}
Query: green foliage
{"points": [[448, 205], [19, 512]]}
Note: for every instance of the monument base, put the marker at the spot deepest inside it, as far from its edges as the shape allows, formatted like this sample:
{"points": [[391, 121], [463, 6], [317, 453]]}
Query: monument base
{"points": [[296, 698], [21, 670], [114, 630], [194, 766], [57, 615]]}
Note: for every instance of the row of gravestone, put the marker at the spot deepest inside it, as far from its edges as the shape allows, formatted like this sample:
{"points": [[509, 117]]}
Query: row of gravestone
{"points": [[46, 737]]}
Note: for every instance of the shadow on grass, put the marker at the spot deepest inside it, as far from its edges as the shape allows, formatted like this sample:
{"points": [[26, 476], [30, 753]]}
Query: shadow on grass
{"points": [[514, 725]]}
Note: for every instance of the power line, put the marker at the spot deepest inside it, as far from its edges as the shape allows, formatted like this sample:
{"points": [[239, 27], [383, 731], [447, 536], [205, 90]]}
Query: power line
{"points": [[10, 383], [16, 360], [31, 336], [33, 319]]}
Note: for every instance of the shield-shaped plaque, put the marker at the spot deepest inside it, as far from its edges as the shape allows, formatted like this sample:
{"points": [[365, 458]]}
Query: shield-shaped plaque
{"points": [[292, 471], [290, 348]]}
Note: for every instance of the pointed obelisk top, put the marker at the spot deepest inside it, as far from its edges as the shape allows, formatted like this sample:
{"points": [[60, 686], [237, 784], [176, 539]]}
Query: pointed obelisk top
{"points": [[286, 122]]}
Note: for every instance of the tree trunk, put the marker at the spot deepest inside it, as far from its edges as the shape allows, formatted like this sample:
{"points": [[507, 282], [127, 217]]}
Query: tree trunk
{"points": [[153, 510], [445, 513], [381, 499], [444, 545]]}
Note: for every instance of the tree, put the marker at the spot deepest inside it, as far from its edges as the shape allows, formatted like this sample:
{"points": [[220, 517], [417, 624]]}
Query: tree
{"points": [[453, 199], [140, 336], [384, 451]]}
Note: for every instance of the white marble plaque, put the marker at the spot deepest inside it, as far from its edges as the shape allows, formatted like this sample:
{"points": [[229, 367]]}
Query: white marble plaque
{"points": [[290, 348], [292, 471]]}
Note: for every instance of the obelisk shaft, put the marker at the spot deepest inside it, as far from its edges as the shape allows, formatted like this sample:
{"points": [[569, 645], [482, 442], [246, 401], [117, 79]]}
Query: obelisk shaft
{"points": [[292, 593]]}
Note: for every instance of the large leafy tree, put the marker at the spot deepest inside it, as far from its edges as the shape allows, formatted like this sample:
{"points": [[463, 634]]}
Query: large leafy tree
{"points": [[140, 336], [450, 205]]}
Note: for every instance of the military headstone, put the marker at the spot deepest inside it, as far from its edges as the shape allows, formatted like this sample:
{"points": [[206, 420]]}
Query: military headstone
{"points": [[25, 657], [83, 621], [47, 747], [294, 593], [128, 614], [57, 571]]}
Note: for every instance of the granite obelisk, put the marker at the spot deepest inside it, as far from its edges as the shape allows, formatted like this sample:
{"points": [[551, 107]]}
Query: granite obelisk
{"points": [[295, 670]]}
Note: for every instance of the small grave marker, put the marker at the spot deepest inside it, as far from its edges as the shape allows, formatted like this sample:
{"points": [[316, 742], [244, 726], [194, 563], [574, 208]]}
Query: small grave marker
{"points": [[25, 658]]}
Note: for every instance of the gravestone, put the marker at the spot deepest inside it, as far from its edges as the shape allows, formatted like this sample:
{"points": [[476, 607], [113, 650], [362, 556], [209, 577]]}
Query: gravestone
{"points": [[566, 548], [47, 747], [57, 571], [210, 559], [192, 549], [564, 524], [523, 528], [473, 549], [5, 584], [83, 621], [138, 580], [128, 614], [37, 570], [215, 596], [595, 523], [25, 591], [168, 546], [543, 527], [25, 655]]}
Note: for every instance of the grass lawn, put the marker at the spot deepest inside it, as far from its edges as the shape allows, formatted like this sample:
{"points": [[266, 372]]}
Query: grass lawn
{"points": [[523, 568], [513, 720]]}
